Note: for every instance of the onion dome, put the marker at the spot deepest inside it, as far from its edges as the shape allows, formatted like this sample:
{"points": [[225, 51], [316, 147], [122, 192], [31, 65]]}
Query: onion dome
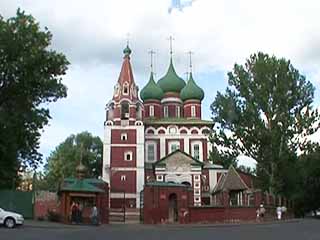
{"points": [[81, 170], [171, 82], [191, 91], [127, 51], [151, 90]]}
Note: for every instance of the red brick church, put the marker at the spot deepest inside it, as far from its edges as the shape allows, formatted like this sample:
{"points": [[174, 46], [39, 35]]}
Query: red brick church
{"points": [[160, 138]]}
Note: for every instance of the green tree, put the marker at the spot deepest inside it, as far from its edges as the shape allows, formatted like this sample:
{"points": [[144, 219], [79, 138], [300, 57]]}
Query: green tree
{"points": [[63, 161], [308, 189], [265, 113], [30, 77]]}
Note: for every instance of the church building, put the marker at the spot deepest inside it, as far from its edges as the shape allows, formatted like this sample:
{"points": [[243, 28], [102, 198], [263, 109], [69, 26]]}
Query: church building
{"points": [[157, 136]]}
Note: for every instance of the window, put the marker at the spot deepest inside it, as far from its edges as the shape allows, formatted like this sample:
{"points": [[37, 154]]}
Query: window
{"points": [[177, 111], [151, 152], [128, 156], [193, 111], [165, 111], [197, 185], [123, 178], [124, 137], [159, 178], [196, 177], [174, 146], [151, 111], [124, 110], [196, 151], [197, 192], [125, 89], [197, 199]]}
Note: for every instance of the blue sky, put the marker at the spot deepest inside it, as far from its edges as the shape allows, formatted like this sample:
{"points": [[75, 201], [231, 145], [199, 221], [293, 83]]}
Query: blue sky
{"points": [[93, 34]]}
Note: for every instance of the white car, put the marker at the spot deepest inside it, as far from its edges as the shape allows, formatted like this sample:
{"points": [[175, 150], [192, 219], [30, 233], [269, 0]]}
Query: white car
{"points": [[10, 219]]}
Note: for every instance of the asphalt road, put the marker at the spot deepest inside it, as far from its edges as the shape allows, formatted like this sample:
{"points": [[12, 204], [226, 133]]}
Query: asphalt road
{"points": [[298, 230]]}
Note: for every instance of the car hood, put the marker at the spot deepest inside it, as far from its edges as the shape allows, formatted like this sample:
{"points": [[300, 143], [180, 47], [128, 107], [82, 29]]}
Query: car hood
{"points": [[13, 214]]}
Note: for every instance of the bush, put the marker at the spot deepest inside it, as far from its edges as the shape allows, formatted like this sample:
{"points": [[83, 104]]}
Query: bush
{"points": [[53, 216]]}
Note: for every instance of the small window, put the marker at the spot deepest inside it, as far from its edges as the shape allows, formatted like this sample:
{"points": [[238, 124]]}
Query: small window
{"points": [[159, 178], [174, 146], [197, 185], [197, 192], [124, 137], [193, 111], [128, 156], [151, 111], [151, 152], [196, 177], [177, 111], [165, 111], [125, 89], [123, 178], [197, 199], [196, 151]]}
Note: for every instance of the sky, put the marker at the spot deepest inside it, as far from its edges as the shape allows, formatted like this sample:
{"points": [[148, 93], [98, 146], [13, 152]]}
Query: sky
{"points": [[92, 34]]}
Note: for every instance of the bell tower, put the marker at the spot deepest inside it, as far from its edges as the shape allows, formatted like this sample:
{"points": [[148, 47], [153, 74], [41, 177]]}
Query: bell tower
{"points": [[123, 156]]}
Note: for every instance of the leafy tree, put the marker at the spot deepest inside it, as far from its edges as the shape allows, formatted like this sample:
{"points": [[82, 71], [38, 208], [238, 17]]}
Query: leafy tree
{"points": [[265, 113], [308, 187], [63, 161], [30, 77]]}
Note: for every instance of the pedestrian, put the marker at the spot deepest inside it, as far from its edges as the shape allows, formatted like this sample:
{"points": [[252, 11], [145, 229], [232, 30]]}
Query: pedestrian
{"points": [[73, 213], [283, 210], [94, 215], [258, 214], [279, 212], [262, 211]]}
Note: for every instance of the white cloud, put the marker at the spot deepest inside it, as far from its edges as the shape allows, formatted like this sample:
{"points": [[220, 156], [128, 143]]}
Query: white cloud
{"points": [[92, 35]]}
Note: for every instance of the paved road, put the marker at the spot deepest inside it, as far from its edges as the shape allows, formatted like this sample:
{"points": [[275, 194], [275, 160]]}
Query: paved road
{"points": [[298, 230]]}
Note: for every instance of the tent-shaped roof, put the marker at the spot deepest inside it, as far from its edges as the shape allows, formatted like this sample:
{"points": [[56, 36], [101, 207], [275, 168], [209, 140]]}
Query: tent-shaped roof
{"points": [[230, 181], [182, 157]]}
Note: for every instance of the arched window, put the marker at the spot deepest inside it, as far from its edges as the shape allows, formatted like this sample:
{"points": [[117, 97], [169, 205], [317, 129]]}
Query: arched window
{"points": [[124, 110]]}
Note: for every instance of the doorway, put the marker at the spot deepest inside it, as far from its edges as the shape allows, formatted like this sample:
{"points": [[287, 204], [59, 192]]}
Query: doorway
{"points": [[173, 208]]}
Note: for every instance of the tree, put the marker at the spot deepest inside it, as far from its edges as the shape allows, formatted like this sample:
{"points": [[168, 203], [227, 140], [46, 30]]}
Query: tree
{"points": [[30, 77], [265, 113], [63, 161], [308, 190]]}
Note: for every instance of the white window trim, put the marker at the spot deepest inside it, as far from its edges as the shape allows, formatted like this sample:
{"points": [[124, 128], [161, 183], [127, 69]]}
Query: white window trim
{"points": [[178, 109], [193, 111], [123, 178], [165, 111], [200, 149], [155, 151], [151, 111], [125, 85], [124, 137], [159, 178], [173, 143], [125, 155]]}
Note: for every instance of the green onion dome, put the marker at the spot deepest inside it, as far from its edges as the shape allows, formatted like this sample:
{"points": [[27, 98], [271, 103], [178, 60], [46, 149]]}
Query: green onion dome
{"points": [[151, 90], [127, 51], [191, 91], [171, 82]]}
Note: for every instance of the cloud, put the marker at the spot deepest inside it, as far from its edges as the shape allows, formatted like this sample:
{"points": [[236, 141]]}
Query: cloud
{"points": [[220, 33]]}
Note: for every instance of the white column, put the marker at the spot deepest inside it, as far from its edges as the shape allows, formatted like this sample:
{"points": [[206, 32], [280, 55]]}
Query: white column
{"points": [[162, 147], [140, 163], [186, 145], [106, 154]]}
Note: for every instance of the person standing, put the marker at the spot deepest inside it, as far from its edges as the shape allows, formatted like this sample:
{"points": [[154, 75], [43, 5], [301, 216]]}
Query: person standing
{"points": [[279, 212], [94, 215], [73, 213]]}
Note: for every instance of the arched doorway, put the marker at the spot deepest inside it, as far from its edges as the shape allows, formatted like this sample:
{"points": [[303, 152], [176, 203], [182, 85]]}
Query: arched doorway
{"points": [[173, 208]]}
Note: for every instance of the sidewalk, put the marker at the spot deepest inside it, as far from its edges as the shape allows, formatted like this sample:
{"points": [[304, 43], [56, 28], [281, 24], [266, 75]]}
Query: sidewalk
{"points": [[56, 225]]}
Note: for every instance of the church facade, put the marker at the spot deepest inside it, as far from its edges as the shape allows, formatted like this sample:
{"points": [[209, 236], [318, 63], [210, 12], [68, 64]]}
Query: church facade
{"points": [[157, 136]]}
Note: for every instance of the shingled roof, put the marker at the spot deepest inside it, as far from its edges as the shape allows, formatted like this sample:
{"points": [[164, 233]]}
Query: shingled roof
{"points": [[230, 181]]}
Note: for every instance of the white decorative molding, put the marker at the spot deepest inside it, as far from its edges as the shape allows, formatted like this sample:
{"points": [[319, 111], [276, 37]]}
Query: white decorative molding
{"points": [[171, 99]]}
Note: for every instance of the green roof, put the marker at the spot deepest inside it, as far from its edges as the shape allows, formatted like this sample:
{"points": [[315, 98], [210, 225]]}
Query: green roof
{"points": [[182, 121], [80, 185], [171, 82], [191, 91], [151, 90]]}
